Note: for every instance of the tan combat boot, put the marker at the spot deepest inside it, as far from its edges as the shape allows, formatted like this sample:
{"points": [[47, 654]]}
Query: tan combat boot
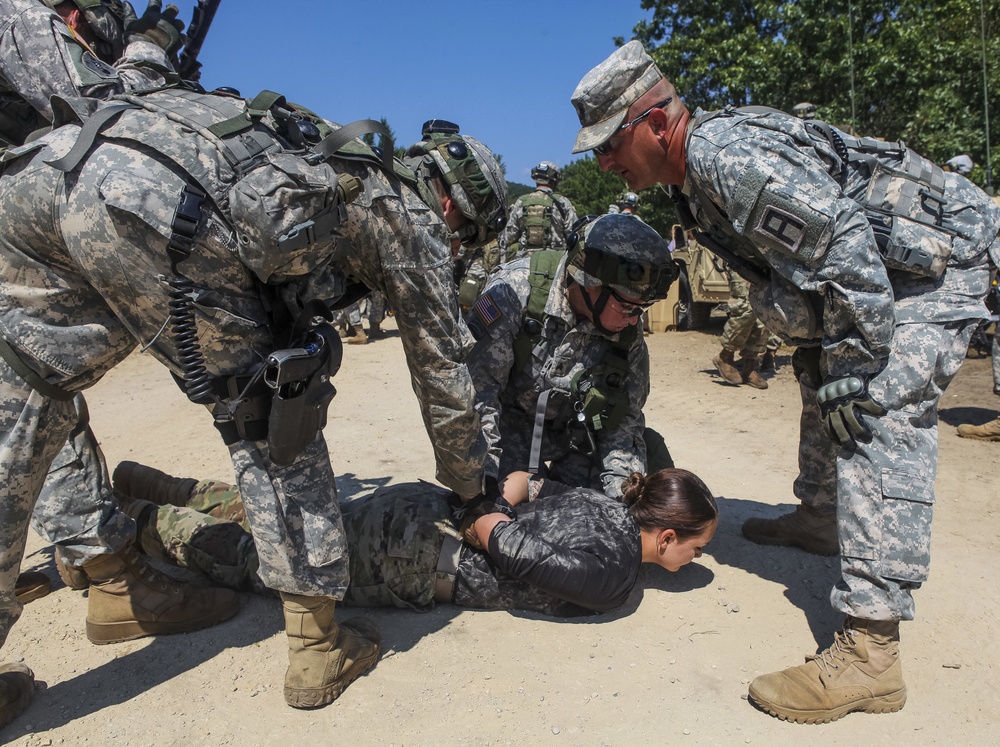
{"points": [[986, 432], [32, 585], [359, 337], [375, 331], [129, 598], [149, 484], [727, 367], [861, 671], [17, 686], [813, 530], [749, 375], [323, 657], [72, 575]]}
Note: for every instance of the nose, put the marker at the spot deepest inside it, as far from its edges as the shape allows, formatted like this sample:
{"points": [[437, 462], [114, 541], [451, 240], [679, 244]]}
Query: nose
{"points": [[605, 161]]}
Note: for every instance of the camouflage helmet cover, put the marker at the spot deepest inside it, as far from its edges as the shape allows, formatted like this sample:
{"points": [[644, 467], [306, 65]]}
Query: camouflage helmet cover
{"points": [[474, 178], [546, 173], [628, 200], [805, 110], [622, 252]]}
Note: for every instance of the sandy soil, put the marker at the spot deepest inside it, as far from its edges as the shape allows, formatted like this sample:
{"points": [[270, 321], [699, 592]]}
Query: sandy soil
{"points": [[672, 667]]}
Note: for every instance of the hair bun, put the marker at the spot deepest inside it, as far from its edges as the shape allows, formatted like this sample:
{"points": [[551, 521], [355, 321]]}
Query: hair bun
{"points": [[632, 487]]}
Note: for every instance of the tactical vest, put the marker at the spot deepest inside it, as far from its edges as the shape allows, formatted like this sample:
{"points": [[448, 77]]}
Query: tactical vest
{"points": [[900, 191], [599, 392], [537, 222]]}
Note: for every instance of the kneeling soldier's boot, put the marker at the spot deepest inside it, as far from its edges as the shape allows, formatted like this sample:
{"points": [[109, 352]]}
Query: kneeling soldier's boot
{"points": [[129, 598], [811, 529], [149, 484], [986, 432], [17, 685], [323, 657], [72, 575], [861, 671], [749, 375], [727, 367]]}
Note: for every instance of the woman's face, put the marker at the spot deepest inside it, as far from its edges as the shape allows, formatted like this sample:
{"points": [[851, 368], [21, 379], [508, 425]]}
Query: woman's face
{"points": [[676, 552]]}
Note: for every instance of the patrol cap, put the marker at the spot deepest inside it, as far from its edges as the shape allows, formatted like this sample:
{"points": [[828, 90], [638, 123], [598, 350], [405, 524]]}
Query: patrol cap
{"points": [[603, 97], [623, 252]]}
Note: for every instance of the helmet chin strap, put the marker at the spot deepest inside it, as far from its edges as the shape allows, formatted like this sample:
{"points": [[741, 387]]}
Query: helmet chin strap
{"points": [[597, 308]]}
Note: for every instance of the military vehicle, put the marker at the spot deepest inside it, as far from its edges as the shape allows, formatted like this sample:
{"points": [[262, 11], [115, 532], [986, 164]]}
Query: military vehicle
{"points": [[702, 284]]}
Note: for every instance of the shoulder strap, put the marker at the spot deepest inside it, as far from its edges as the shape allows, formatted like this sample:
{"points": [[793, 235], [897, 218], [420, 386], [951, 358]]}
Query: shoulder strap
{"points": [[541, 274]]}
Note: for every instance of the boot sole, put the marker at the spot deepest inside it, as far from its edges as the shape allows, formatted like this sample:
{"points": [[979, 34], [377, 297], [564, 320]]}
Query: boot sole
{"points": [[979, 438], [35, 591], [760, 540], [116, 632], [883, 704], [319, 697]]}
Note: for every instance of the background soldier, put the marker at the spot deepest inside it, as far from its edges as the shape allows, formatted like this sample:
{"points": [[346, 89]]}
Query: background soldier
{"points": [[745, 334], [541, 219], [560, 371], [239, 264], [879, 277]]}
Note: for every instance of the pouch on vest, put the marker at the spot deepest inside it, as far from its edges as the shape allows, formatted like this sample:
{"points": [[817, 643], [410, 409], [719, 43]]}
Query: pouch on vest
{"points": [[905, 206]]}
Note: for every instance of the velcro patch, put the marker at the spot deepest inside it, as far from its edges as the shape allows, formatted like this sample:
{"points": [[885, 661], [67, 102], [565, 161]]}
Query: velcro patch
{"points": [[783, 227], [487, 310]]}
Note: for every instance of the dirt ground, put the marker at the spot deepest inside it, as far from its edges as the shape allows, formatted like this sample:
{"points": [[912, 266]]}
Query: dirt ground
{"points": [[671, 667]]}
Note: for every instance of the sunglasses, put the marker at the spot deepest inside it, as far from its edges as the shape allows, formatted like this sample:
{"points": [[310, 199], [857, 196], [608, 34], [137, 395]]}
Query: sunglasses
{"points": [[629, 308], [606, 147]]}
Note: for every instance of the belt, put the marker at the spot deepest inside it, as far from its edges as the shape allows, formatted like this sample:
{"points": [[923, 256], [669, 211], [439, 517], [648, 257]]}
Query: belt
{"points": [[447, 567]]}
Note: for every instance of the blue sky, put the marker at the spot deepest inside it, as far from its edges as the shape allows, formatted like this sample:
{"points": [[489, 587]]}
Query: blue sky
{"points": [[503, 70]]}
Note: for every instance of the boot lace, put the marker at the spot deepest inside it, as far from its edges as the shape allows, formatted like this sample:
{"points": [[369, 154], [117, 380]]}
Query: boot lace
{"points": [[144, 569], [833, 657]]}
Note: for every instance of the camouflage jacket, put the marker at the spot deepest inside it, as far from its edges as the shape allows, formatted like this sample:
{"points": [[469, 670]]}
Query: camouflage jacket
{"points": [[40, 57], [563, 218], [572, 551], [507, 399], [776, 189]]}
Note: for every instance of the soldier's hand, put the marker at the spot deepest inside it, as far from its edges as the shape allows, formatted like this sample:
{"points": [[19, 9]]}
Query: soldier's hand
{"points": [[842, 402], [158, 24]]}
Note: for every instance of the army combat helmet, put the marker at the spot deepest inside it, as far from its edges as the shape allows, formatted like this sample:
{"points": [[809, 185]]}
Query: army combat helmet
{"points": [[622, 255], [546, 173], [628, 200], [472, 173]]}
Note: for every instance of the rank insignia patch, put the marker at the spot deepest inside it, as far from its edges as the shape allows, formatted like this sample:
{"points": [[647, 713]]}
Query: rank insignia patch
{"points": [[783, 227]]}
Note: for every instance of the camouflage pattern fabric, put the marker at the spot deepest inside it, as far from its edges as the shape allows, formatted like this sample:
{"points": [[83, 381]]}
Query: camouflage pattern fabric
{"points": [[744, 333], [507, 399], [996, 359], [563, 218], [829, 287], [81, 281], [40, 58]]}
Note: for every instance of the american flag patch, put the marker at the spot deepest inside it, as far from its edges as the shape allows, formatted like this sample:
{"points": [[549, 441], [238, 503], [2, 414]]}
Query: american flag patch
{"points": [[487, 310]]}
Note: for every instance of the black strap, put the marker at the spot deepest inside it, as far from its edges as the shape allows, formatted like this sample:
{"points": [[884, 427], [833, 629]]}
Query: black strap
{"points": [[329, 145], [30, 377]]}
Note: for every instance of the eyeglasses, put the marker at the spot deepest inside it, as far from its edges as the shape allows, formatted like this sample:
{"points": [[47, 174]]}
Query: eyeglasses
{"points": [[606, 147], [629, 308]]}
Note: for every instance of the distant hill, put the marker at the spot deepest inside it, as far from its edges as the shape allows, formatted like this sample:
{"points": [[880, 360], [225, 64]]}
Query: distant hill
{"points": [[516, 190]]}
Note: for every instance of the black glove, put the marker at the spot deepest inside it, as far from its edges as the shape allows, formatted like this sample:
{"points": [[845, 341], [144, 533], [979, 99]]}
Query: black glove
{"points": [[158, 24], [840, 402], [488, 502]]}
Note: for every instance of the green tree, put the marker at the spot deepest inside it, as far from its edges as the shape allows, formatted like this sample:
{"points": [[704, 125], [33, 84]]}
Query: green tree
{"points": [[909, 69]]}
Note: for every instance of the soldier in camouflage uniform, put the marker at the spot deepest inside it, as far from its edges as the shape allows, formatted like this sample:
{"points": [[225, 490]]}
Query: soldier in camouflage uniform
{"points": [[874, 262], [41, 56], [405, 551], [220, 251], [561, 373], [745, 334], [539, 220]]}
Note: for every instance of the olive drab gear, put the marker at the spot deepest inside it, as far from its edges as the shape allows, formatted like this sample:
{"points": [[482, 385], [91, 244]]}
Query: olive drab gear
{"points": [[538, 207], [599, 392], [472, 174]]}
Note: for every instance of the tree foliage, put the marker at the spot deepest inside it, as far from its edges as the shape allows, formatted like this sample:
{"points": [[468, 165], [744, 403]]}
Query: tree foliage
{"points": [[903, 69]]}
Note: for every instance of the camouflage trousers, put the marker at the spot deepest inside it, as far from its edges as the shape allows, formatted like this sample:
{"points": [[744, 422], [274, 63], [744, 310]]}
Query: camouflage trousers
{"points": [[883, 491], [744, 333], [394, 537]]}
